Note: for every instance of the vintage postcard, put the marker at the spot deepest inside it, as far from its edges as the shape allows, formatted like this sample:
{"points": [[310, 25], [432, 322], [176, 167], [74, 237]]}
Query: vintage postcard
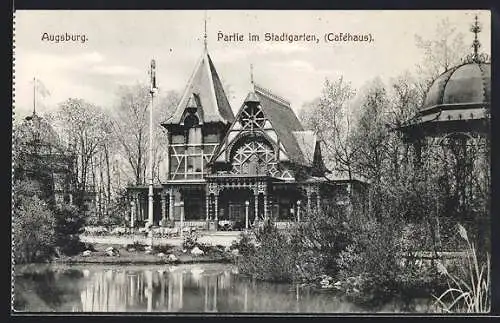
{"points": [[246, 162]]}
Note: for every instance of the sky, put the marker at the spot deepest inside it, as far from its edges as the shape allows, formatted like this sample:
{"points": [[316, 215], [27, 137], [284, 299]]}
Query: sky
{"points": [[120, 45]]}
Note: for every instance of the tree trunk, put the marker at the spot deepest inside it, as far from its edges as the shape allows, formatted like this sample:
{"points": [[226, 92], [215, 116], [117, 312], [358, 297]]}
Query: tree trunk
{"points": [[108, 177]]}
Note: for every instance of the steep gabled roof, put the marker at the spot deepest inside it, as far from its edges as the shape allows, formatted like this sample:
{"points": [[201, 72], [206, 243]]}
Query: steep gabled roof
{"points": [[284, 121], [206, 85], [301, 146], [307, 144]]}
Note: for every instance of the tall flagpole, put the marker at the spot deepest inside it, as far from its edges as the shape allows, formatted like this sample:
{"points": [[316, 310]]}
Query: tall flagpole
{"points": [[151, 194]]}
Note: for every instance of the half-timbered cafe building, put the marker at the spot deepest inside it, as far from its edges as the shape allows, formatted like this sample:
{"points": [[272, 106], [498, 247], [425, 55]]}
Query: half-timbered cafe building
{"points": [[224, 168]]}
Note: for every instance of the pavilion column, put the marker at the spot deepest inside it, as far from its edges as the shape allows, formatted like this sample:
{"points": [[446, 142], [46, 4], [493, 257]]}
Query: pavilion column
{"points": [[318, 201], [132, 213], [207, 206], [163, 221], [256, 198], [138, 207], [265, 205], [216, 205], [308, 193], [171, 205]]}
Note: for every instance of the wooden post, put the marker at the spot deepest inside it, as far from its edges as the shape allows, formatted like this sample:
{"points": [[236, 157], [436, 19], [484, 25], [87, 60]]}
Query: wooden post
{"points": [[265, 206], [308, 193], [207, 206], [298, 210], [181, 204], [216, 202], [247, 203], [318, 201], [256, 207], [171, 205], [163, 210], [132, 214]]}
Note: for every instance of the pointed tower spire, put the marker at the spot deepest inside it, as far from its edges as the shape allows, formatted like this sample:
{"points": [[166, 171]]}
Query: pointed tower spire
{"points": [[251, 96]]}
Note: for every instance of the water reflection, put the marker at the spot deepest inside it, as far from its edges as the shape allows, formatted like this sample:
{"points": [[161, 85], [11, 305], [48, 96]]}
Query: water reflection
{"points": [[193, 288]]}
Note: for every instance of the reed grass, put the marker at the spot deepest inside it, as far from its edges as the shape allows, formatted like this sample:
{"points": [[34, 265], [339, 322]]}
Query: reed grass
{"points": [[472, 292]]}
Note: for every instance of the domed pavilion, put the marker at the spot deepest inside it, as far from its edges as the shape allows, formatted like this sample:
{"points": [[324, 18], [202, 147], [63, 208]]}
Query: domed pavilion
{"points": [[38, 155], [450, 136]]}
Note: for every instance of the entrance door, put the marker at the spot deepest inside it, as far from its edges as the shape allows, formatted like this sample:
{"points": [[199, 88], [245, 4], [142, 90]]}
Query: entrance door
{"points": [[236, 212]]}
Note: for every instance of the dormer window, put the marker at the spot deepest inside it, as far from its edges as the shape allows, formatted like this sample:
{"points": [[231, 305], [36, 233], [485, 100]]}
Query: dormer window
{"points": [[252, 117], [191, 121]]}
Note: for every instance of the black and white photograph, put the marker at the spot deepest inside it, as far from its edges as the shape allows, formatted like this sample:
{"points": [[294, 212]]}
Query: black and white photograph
{"points": [[243, 162]]}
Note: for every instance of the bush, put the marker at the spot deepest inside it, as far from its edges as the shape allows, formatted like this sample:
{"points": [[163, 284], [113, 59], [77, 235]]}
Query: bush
{"points": [[33, 230], [271, 259], [319, 241], [137, 246], [244, 245], [190, 240], [69, 225], [371, 262]]}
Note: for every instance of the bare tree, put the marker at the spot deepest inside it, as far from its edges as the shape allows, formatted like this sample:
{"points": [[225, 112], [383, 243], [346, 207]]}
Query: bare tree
{"points": [[131, 127], [329, 116], [85, 129], [442, 50]]}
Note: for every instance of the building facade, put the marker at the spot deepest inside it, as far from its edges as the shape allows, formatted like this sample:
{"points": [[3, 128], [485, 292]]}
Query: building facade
{"points": [[233, 170]]}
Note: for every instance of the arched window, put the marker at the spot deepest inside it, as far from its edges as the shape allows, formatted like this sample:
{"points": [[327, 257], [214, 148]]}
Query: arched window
{"points": [[254, 157]]}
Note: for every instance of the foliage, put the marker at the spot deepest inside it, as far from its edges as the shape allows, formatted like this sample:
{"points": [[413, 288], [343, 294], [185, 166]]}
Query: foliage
{"points": [[470, 293], [329, 116], [245, 244], [33, 230], [272, 259], [373, 258], [86, 129], [137, 246], [319, 240], [190, 240], [116, 213], [304, 252], [69, 225]]}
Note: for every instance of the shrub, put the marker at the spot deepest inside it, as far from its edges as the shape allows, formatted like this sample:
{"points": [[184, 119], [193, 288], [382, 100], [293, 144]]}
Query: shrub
{"points": [[245, 245], [270, 259], [373, 261], [136, 245], [319, 241], [33, 230], [69, 225], [190, 240]]}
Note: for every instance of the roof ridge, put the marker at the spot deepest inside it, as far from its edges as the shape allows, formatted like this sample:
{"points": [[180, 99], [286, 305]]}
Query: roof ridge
{"points": [[211, 80], [271, 95]]}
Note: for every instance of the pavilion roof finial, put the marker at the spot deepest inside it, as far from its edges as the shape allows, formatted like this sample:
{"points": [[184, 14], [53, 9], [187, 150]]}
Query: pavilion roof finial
{"points": [[476, 56], [476, 29]]}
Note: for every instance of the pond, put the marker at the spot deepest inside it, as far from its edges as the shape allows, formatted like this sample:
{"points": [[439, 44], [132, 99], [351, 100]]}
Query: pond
{"points": [[169, 288]]}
